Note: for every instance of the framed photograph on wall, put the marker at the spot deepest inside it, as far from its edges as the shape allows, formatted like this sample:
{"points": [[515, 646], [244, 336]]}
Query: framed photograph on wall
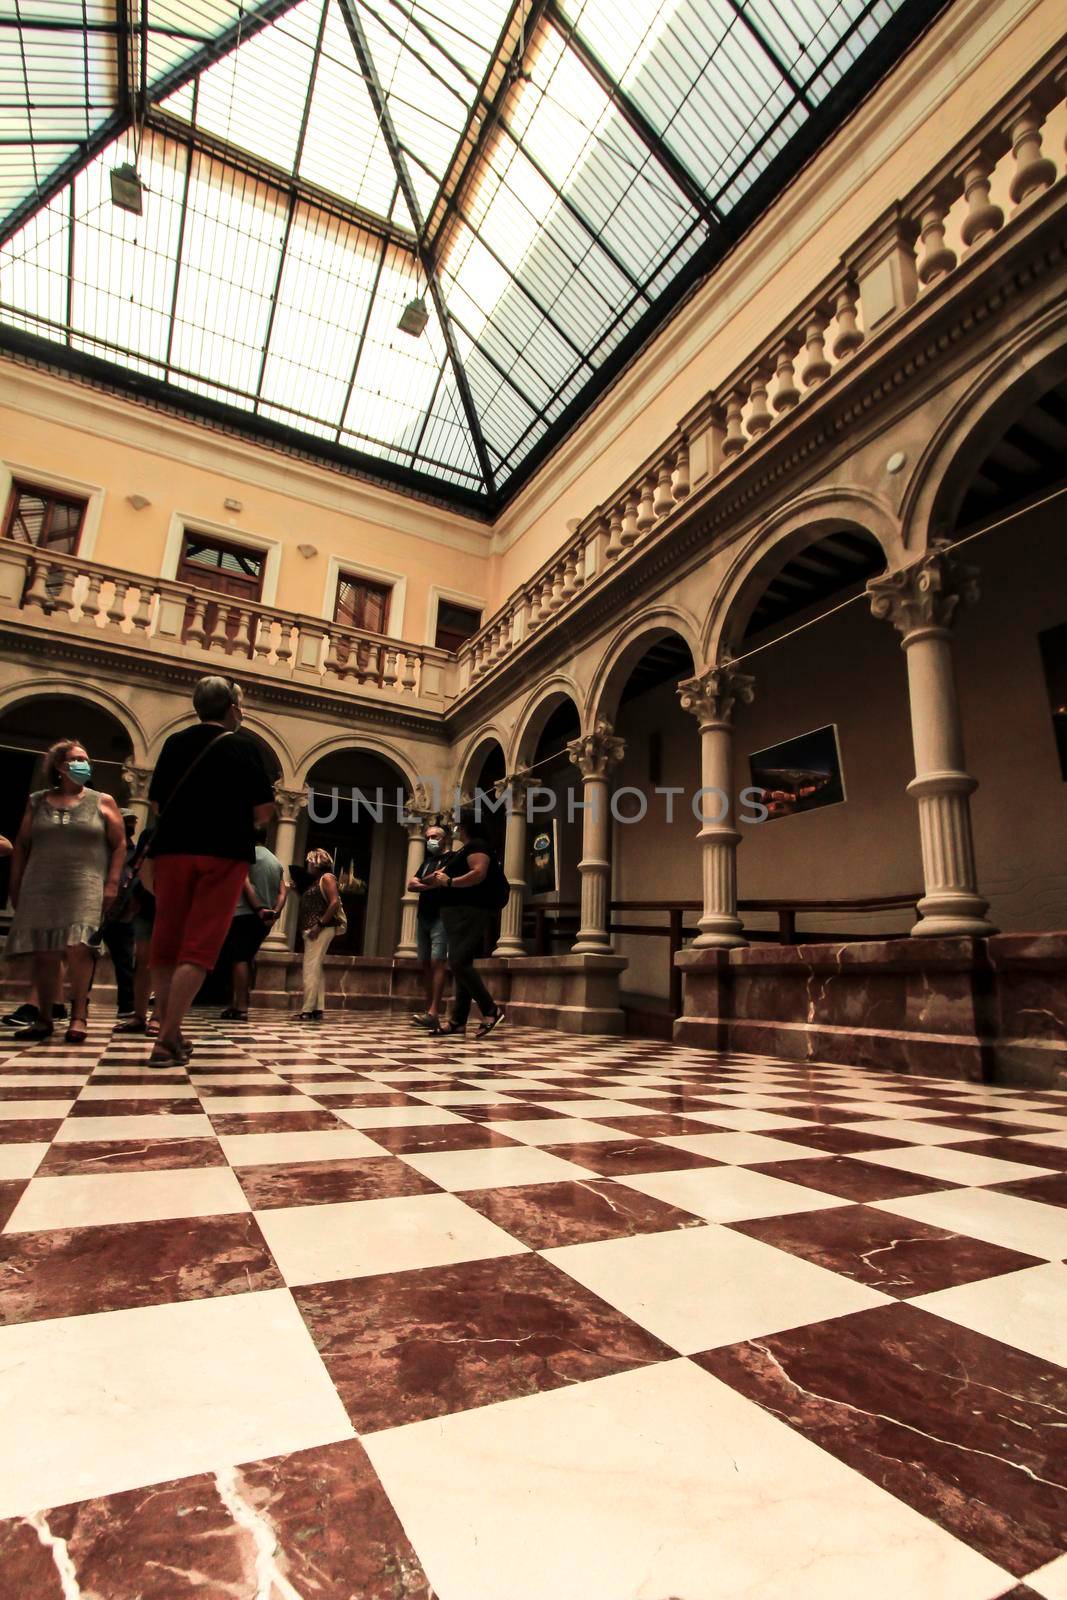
{"points": [[543, 865], [801, 774], [1053, 644]]}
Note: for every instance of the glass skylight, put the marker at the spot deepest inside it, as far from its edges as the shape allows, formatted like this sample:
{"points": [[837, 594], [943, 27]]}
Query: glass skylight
{"points": [[546, 177]]}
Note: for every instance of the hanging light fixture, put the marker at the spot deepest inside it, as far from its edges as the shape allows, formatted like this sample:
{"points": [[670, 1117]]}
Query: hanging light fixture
{"points": [[127, 189], [414, 317]]}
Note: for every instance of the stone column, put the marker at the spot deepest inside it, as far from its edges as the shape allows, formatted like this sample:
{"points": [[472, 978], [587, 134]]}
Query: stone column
{"points": [[415, 824], [518, 784], [921, 602], [137, 780], [711, 697], [290, 804], [594, 756]]}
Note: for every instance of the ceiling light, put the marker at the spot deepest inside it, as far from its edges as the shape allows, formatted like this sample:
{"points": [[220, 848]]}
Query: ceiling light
{"points": [[414, 317], [126, 189]]}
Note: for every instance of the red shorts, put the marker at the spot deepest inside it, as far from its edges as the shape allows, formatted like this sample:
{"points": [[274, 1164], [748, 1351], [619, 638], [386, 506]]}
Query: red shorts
{"points": [[196, 897]]}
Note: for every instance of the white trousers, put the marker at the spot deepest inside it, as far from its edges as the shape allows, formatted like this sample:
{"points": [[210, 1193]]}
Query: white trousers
{"points": [[315, 953]]}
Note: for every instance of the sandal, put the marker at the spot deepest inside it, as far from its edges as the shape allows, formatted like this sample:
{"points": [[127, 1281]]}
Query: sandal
{"points": [[77, 1031], [167, 1055], [440, 1032], [36, 1033], [137, 1025], [489, 1023]]}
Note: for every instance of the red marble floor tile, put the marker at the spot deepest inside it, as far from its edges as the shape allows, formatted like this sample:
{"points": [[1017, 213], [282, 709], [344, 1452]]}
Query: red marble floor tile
{"points": [[242, 1091], [835, 1141], [810, 1111], [438, 1136], [334, 1532], [1009, 1149], [852, 1178], [404, 1346], [31, 1130], [668, 1125], [42, 1091], [629, 1156], [969, 1432], [347, 1099], [312, 1183], [978, 1124], [534, 1096], [10, 1194], [69, 1272], [177, 1107], [894, 1254], [129, 1155], [506, 1111], [227, 1122], [131, 1081], [1051, 1191], [545, 1215]]}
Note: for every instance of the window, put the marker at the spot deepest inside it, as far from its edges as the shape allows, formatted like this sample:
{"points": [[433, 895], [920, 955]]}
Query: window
{"points": [[231, 569], [454, 624], [361, 603], [40, 517]]}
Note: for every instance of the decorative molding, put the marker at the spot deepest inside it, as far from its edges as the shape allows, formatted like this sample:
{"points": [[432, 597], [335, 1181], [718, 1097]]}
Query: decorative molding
{"points": [[290, 802], [594, 754], [712, 694], [925, 594]]}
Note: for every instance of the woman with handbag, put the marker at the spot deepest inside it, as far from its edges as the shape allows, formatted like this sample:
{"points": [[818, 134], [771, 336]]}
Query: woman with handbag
{"points": [[322, 918]]}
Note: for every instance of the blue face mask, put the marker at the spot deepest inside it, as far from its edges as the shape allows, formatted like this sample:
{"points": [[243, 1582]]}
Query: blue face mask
{"points": [[79, 771]]}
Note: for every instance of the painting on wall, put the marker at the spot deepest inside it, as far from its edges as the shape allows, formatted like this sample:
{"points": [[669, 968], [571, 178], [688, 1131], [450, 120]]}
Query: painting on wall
{"points": [[544, 858], [801, 774], [1053, 644]]}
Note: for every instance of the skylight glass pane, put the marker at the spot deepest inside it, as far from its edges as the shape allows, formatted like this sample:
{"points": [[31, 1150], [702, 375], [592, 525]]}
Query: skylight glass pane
{"points": [[467, 32], [397, 374], [344, 151], [176, 28], [33, 272]]}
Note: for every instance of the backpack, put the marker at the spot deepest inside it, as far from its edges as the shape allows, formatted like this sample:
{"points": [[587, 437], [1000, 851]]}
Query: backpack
{"points": [[498, 890]]}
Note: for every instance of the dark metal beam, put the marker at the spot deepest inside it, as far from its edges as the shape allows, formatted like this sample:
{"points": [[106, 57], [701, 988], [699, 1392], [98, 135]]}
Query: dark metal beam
{"points": [[124, 102], [631, 114], [385, 123]]}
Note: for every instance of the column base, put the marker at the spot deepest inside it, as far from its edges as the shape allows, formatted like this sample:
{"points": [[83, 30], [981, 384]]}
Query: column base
{"points": [[508, 945], [959, 915], [588, 945], [720, 933]]}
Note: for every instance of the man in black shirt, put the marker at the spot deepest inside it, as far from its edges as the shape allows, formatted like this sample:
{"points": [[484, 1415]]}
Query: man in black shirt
{"points": [[432, 940], [466, 910], [210, 791]]}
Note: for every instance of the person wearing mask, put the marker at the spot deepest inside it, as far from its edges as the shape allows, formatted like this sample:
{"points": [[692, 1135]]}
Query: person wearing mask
{"points": [[65, 872], [322, 917], [467, 905], [432, 940], [261, 904], [209, 793], [117, 932]]}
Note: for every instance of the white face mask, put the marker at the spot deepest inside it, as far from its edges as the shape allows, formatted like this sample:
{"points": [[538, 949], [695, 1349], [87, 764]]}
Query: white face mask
{"points": [[433, 846]]}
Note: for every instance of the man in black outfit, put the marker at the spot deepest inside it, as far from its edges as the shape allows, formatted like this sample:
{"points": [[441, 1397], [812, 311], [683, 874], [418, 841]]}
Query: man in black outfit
{"points": [[466, 910]]}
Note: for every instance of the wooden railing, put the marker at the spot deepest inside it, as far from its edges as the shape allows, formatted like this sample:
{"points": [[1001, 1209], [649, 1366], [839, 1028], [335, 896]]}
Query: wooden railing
{"points": [[106, 603], [919, 241], [556, 923]]}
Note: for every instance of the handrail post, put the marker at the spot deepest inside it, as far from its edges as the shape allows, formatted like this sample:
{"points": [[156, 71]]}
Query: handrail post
{"points": [[675, 943]]}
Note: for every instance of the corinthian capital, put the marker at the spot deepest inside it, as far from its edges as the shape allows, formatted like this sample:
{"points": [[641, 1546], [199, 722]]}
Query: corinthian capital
{"points": [[713, 693], [925, 594], [137, 780], [518, 784], [290, 802], [596, 753]]}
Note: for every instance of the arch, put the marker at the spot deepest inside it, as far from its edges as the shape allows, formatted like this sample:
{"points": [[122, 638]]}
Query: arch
{"points": [[790, 530], [79, 689], [536, 712], [471, 758], [357, 741], [265, 734], [1020, 372], [627, 649]]}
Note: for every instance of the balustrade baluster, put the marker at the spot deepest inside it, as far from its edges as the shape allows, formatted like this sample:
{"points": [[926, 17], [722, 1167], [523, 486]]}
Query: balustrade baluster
{"points": [[646, 514], [194, 633], [615, 544], [61, 588], [663, 499], [937, 260], [759, 416], [116, 611], [1034, 173], [628, 533], [91, 600], [142, 616], [983, 218], [570, 576], [786, 394], [816, 367], [264, 636], [680, 484], [734, 441], [215, 634], [849, 335], [407, 677]]}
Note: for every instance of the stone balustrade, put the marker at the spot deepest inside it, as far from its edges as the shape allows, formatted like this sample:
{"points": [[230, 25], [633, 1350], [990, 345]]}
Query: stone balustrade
{"points": [[94, 602], [911, 249]]}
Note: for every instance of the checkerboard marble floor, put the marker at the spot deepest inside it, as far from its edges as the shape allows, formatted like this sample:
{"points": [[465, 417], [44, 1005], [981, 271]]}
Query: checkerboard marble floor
{"points": [[345, 1313]]}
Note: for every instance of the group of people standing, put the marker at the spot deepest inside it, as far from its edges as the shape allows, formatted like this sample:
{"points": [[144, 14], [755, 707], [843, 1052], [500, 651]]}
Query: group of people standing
{"points": [[199, 888]]}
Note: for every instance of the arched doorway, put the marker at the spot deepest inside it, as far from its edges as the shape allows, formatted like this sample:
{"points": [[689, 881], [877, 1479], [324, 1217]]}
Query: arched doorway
{"points": [[29, 727], [554, 834], [486, 767], [354, 806]]}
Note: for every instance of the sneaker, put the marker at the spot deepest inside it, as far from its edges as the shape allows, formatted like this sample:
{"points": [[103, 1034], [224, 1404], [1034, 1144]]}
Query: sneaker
{"points": [[22, 1016]]}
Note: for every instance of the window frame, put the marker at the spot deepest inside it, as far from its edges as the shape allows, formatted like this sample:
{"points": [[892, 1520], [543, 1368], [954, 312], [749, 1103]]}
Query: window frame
{"points": [[352, 575], [455, 597], [226, 546], [40, 480], [184, 525], [396, 582]]}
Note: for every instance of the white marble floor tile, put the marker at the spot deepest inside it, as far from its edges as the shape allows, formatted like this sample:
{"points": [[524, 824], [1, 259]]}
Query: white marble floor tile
{"points": [[29, 1110], [42, 1080], [76, 1130], [1004, 1219], [912, 1131], [653, 1484], [359, 1238], [730, 1194], [100, 1403], [955, 1166], [221, 1105], [1050, 1123], [464, 1097], [21, 1160], [328, 1144], [748, 1121], [1050, 1581], [1027, 1309], [138, 1091], [742, 1149], [1055, 1141], [494, 1169], [593, 1108], [560, 1130], [88, 1200], [396, 1116], [697, 1288]]}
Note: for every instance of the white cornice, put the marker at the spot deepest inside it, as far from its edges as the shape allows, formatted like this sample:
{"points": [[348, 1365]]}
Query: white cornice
{"points": [[909, 96], [73, 405]]}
